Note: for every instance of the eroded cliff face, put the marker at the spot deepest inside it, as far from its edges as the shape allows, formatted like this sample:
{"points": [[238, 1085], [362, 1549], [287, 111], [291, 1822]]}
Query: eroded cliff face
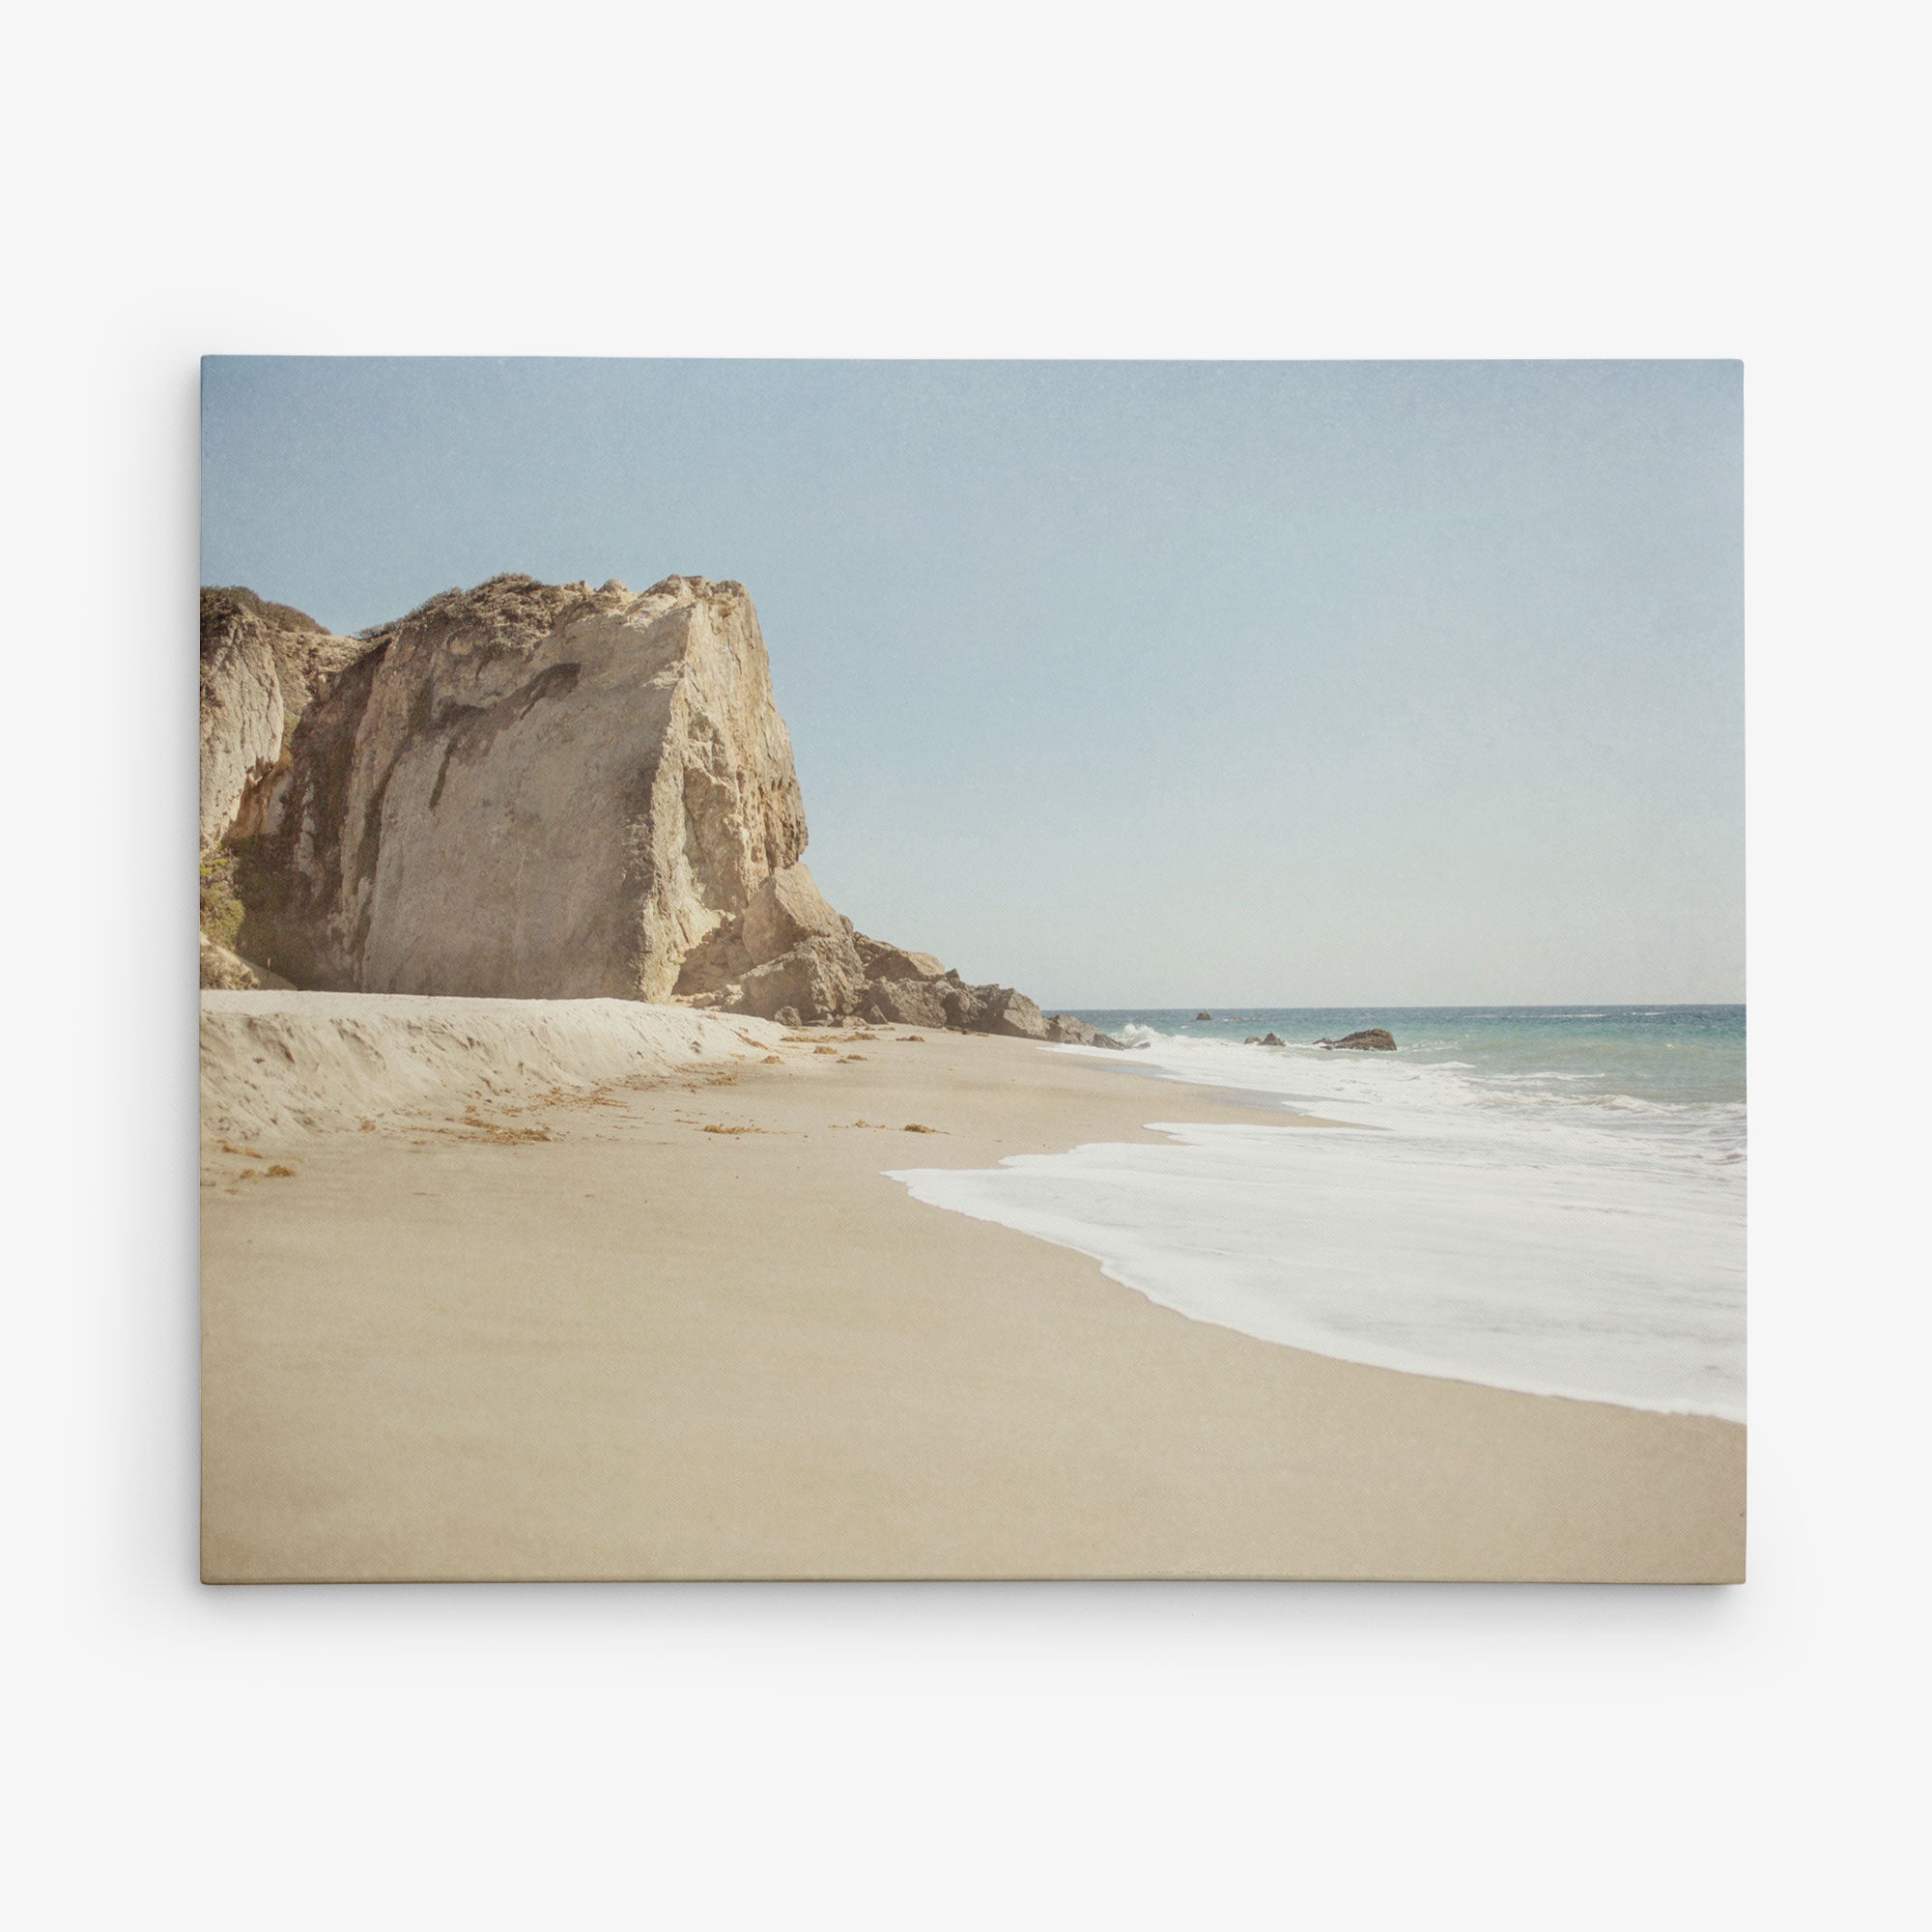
{"points": [[529, 791], [261, 664], [545, 791]]}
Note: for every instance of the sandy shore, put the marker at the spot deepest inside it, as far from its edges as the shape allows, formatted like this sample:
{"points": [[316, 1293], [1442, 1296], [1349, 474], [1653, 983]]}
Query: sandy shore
{"points": [[683, 1326]]}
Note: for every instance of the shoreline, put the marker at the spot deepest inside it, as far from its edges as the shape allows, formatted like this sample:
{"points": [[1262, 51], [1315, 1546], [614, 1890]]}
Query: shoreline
{"points": [[1541, 1231], [1425, 1374], [688, 1326]]}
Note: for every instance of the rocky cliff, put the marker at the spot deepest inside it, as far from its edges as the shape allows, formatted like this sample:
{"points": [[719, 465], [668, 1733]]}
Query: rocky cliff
{"points": [[540, 791], [261, 663], [527, 791]]}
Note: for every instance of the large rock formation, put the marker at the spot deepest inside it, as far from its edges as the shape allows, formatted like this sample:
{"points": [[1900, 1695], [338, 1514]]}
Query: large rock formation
{"points": [[786, 949], [530, 792], [261, 666], [541, 791], [261, 663]]}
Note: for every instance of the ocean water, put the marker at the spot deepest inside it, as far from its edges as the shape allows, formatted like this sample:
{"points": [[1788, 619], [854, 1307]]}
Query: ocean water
{"points": [[1543, 1198]]}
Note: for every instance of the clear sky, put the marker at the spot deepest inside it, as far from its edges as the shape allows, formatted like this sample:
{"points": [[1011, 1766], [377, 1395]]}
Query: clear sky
{"points": [[1289, 684]]}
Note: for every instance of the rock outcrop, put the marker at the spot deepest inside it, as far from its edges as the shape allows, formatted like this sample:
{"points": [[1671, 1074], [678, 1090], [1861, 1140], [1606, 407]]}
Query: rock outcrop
{"points": [[890, 962], [541, 791], [786, 949], [261, 666], [1065, 1029], [530, 791], [1371, 1040]]}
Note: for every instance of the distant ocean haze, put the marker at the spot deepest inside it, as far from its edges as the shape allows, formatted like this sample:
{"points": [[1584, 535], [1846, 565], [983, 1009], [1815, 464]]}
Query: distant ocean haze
{"points": [[1543, 1198]]}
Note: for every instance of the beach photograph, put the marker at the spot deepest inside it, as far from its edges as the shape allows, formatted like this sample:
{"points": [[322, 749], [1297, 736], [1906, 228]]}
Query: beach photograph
{"points": [[971, 970], [1052, 1061]]}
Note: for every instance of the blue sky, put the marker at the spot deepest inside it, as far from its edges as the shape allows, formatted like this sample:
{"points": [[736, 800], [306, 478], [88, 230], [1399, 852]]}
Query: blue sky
{"points": [[1255, 683]]}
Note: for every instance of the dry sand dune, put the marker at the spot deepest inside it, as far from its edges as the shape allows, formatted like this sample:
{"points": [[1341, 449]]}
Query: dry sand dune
{"points": [[275, 1064]]}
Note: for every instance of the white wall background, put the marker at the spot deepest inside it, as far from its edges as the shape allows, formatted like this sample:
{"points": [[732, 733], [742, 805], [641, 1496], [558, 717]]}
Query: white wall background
{"points": [[1648, 179]]}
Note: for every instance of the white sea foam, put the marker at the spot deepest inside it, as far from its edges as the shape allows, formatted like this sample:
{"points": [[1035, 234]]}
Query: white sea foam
{"points": [[1518, 1235]]}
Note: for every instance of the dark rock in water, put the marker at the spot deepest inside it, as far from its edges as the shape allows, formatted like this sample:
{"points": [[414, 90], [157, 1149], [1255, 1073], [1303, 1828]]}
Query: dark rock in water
{"points": [[1271, 1040], [1371, 1040], [1204, 1017], [1253, 1039], [1140, 1046]]}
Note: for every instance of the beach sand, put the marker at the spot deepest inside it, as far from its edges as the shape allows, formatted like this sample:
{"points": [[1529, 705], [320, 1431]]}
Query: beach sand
{"points": [[441, 1349]]}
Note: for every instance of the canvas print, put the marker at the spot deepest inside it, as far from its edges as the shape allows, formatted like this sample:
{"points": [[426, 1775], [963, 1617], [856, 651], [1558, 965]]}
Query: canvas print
{"points": [[971, 970]]}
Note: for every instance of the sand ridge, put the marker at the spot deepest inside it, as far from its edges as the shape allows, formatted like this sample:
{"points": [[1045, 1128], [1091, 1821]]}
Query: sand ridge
{"points": [[274, 1064]]}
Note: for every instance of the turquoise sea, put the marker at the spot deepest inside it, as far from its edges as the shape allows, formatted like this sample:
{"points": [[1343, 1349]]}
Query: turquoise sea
{"points": [[1685, 1056]]}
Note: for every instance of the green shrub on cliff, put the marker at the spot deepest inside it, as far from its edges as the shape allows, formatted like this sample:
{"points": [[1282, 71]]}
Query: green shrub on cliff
{"points": [[221, 910]]}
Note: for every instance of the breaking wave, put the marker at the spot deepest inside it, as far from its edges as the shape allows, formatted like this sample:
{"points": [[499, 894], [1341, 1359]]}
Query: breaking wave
{"points": [[1535, 1228]]}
